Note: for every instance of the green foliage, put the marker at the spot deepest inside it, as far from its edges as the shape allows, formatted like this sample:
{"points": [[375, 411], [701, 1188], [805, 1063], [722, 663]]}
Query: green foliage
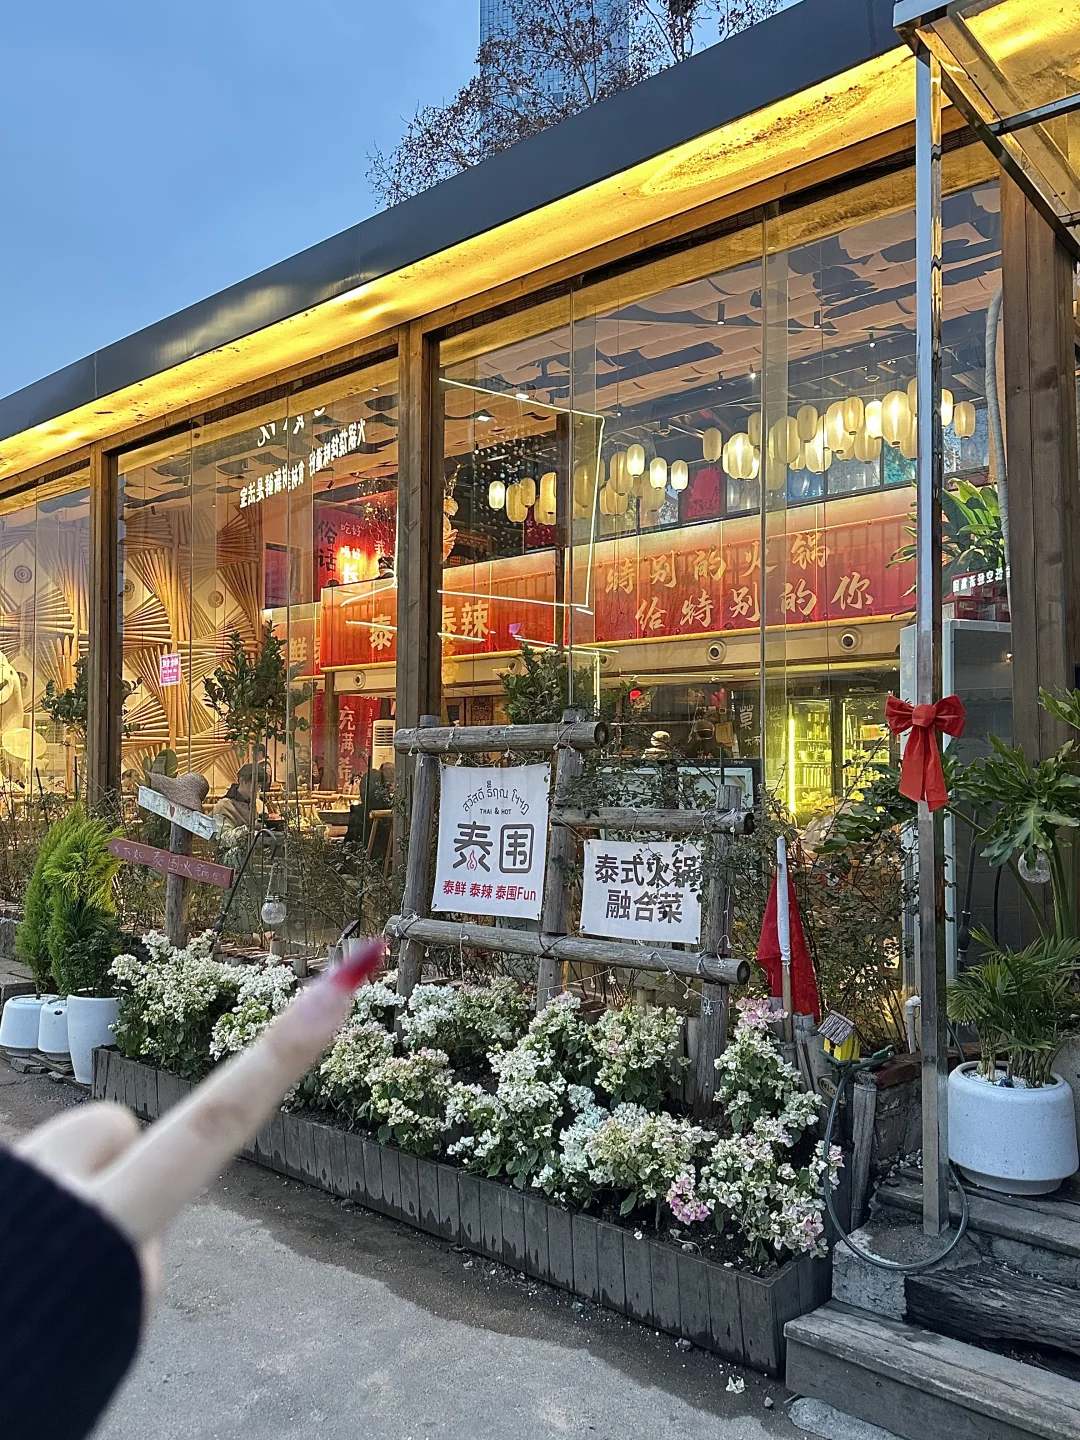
{"points": [[1023, 1005], [252, 695], [32, 936], [540, 694], [70, 708], [971, 534], [863, 821], [83, 934]]}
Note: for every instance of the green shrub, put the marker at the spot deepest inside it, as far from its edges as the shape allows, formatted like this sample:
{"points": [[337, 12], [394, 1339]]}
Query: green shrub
{"points": [[83, 935], [32, 937]]}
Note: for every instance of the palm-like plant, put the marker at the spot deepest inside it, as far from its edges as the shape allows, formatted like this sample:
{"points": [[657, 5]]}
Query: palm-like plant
{"points": [[1022, 1003]]}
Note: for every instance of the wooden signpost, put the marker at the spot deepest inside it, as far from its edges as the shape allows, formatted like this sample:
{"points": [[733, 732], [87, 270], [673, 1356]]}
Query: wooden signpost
{"points": [[711, 963], [176, 863]]}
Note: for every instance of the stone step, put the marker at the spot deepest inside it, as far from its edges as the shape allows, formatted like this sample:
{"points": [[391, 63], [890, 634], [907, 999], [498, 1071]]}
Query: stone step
{"points": [[1038, 1234], [988, 1303], [924, 1386]]}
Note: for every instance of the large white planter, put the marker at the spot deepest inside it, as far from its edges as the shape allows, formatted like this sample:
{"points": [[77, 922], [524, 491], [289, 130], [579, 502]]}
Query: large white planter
{"points": [[89, 1025], [52, 1038], [1018, 1141], [19, 1023]]}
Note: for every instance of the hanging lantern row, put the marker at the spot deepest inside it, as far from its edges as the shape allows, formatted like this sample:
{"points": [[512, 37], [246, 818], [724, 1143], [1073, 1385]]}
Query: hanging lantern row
{"points": [[849, 429]]}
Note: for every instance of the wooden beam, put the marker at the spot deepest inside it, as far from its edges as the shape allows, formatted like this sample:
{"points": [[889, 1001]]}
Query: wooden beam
{"points": [[579, 734], [1041, 450], [105, 688], [420, 527]]}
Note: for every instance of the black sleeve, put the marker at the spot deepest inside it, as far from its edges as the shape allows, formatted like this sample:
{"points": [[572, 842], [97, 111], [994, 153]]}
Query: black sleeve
{"points": [[70, 1307]]}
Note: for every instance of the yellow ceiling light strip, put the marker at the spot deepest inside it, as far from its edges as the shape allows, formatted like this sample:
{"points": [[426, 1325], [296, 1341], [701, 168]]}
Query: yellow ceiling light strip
{"points": [[872, 99]]}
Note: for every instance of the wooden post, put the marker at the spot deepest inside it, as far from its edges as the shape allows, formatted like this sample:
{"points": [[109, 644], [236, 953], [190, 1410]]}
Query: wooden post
{"points": [[176, 889], [561, 847], [416, 900], [715, 999], [104, 688], [1043, 499]]}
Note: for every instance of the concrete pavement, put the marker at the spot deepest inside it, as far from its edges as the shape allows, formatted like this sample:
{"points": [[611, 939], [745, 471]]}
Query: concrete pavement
{"points": [[290, 1316]]}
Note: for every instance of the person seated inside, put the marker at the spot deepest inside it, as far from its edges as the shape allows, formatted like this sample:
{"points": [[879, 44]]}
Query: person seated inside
{"points": [[233, 810]]}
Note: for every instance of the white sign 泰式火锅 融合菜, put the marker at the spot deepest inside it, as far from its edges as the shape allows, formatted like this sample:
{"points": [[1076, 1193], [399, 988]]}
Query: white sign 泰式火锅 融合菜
{"points": [[492, 841], [642, 890]]}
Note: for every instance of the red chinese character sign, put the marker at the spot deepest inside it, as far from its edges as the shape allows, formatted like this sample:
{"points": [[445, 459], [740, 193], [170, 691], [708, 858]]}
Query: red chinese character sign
{"points": [[649, 891], [492, 841]]}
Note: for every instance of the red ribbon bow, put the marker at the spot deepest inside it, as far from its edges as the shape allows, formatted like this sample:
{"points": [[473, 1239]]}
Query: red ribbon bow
{"points": [[921, 775]]}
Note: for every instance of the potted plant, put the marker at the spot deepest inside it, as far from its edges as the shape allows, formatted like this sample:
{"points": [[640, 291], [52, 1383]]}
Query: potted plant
{"points": [[1012, 1124], [82, 936]]}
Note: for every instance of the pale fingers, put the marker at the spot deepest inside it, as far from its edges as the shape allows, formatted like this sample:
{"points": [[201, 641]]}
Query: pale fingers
{"points": [[178, 1156], [80, 1142]]}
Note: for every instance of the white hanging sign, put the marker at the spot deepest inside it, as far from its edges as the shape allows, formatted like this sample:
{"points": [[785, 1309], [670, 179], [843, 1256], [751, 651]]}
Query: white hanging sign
{"points": [[492, 841], [642, 890]]}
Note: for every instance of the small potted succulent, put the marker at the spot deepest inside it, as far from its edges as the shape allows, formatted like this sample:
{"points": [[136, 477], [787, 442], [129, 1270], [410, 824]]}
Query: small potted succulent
{"points": [[1012, 1123]]}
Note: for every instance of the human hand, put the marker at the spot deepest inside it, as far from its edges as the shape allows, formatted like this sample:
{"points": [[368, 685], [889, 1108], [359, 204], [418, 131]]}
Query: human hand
{"points": [[142, 1179]]}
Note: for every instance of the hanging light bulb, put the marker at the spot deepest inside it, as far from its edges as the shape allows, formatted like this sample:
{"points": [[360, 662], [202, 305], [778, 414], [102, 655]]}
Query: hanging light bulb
{"points": [[963, 419], [872, 419], [635, 460], [496, 494], [712, 443], [806, 422], [680, 474], [1035, 871], [895, 417], [867, 447], [273, 910], [753, 427], [946, 408], [854, 412], [527, 490], [835, 428], [658, 473]]}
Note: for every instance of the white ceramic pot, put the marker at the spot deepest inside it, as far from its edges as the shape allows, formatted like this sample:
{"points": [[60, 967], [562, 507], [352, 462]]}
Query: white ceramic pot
{"points": [[52, 1038], [1012, 1139], [19, 1023], [89, 1025]]}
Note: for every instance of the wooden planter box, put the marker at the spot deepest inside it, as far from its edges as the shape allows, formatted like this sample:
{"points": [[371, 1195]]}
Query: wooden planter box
{"points": [[728, 1311]]}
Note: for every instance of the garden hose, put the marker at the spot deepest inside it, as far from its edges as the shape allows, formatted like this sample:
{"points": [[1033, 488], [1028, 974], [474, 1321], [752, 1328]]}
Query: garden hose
{"points": [[848, 1069]]}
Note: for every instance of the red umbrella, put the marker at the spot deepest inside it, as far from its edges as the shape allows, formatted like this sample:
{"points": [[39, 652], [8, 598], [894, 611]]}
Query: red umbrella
{"points": [[804, 992]]}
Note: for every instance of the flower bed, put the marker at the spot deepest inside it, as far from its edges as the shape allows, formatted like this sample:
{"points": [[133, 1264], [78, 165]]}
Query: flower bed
{"points": [[729, 1311]]}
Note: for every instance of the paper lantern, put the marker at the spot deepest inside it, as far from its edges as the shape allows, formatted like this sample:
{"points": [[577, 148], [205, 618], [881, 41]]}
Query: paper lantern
{"points": [[818, 456], [753, 428], [544, 514], [680, 475], [582, 485], [806, 422], [658, 473], [647, 518], [946, 408], [619, 476], [800, 459], [872, 419], [853, 414], [867, 447], [909, 443], [835, 428], [712, 444], [755, 465], [845, 450], [913, 395], [635, 460], [527, 490], [784, 441], [738, 457], [895, 417], [963, 419], [496, 494], [516, 508]]}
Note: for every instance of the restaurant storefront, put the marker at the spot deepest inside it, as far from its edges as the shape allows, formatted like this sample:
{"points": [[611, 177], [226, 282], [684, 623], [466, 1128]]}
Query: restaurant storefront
{"points": [[665, 419]]}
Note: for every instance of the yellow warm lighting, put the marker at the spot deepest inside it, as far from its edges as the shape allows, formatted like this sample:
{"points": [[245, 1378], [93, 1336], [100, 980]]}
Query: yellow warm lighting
{"points": [[680, 474], [872, 419], [853, 413], [635, 460], [527, 490], [835, 427], [806, 421], [784, 440], [913, 396], [496, 494], [618, 475], [753, 428], [658, 473], [712, 445], [909, 443], [895, 416], [817, 455], [946, 408], [739, 459], [963, 420], [867, 446], [516, 509], [544, 514]]}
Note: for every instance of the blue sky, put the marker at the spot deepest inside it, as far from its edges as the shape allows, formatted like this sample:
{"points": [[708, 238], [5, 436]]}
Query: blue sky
{"points": [[154, 151]]}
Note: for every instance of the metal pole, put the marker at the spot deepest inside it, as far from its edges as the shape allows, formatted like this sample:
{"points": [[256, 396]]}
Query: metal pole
{"points": [[783, 933], [932, 977]]}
